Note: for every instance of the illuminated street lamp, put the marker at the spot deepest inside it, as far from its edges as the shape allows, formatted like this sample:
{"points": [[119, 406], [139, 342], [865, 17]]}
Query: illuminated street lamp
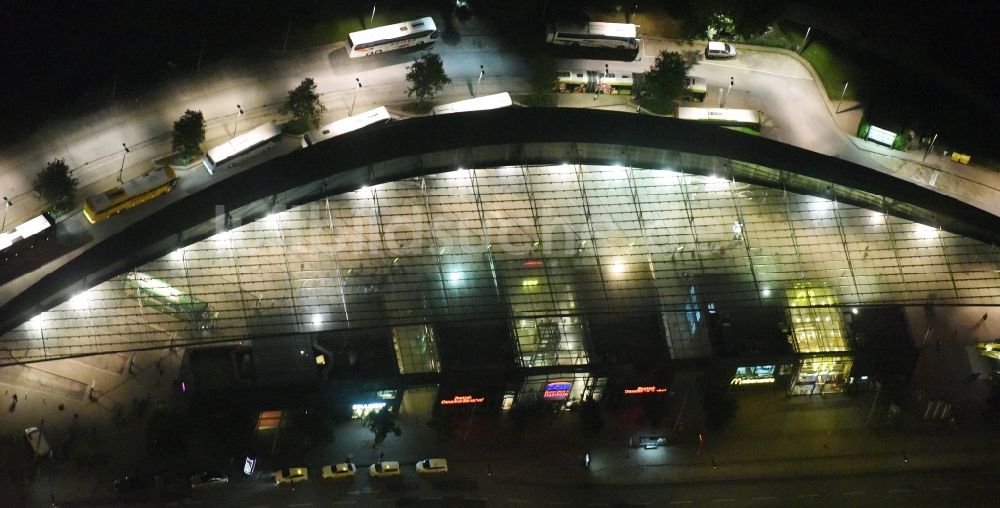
{"points": [[842, 92], [7, 205], [123, 163], [482, 72], [351, 112], [235, 124]]}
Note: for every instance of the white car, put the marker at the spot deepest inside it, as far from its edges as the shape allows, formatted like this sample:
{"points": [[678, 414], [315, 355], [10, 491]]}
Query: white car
{"points": [[342, 470], [379, 469], [718, 49], [432, 466], [38, 442], [291, 475], [209, 479]]}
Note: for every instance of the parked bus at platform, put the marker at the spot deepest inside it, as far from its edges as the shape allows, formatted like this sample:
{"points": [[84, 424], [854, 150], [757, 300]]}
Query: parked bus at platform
{"points": [[495, 101], [163, 297], [619, 83], [248, 144], [722, 116], [131, 193], [26, 235], [595, 34], [345, 125], [387, 38]]}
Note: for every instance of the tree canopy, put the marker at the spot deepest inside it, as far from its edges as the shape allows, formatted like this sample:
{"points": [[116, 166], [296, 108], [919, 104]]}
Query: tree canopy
{"points": [[426, 76], [189, 133], [303, 103], [729, 19], [666, 80], [382, 423], [56, 186]]}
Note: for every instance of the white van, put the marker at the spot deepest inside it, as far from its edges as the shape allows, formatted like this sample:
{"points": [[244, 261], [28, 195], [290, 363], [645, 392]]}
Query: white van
{"points": [[718, 49], [37, 442]]}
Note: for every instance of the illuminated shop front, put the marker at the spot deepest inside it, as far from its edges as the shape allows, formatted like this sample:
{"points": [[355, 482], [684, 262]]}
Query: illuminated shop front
{"points": [[761, 375], [821, 375], [564, 389]]}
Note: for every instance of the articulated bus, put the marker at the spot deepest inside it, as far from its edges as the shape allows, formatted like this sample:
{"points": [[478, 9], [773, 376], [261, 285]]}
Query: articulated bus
{"points": [[131, 193], [345, 125], [169, 300], [620, 83], [26, 236], [722, 116], [245, 145], [594, 35], [387, 38], [495, 101]]}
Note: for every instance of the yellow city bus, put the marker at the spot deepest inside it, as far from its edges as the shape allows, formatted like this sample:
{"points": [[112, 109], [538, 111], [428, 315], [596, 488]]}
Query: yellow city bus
{"points": [[131, 193]]}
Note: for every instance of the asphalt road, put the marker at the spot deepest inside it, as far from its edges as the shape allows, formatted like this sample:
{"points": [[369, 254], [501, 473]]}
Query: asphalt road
{"points": [[92, 144], [970, 488]]}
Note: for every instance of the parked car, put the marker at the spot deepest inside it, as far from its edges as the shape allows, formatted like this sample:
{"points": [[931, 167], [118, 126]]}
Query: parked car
{"points": [[209, 479], [342, 470], [379, 469], [291, 475], [432, 466], [38, 442], [718, 49], [134, 483]]}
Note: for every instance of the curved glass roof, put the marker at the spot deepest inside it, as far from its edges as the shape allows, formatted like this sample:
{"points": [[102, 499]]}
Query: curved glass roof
{"points": [[540, 247]]}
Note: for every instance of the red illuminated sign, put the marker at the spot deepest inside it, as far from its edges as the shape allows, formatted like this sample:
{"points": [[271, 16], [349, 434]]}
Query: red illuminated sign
{"points": [[644, 390], [462, 399], [534, 263]]}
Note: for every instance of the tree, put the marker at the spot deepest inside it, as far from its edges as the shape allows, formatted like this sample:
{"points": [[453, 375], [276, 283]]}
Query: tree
{"points": [[426, 76], [56, 186], [728, 19], [666, 80], [719, 405], [189, 133], [590, 415], [381, 423], [541, 76], [303, 103]]}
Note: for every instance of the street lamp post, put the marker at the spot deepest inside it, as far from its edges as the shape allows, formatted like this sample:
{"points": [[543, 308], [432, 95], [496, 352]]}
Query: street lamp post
{"points": [[121, 169], [351, 112], [237, 122], [373, 15], [929, 148], [842, 92], [804, 39], [7, 205], [726, 96], [482, 72]]}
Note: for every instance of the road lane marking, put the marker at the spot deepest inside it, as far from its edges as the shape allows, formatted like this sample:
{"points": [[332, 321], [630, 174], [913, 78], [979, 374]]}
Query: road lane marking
{"points": [[806, 78], [898, 491], [344, 502], [517, 501], [854, 493], [723, 500], [807, 495], [680, 502], [764, 498]]}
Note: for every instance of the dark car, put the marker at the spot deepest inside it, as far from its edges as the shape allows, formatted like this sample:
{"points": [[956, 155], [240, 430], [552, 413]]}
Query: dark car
{"points": [[209, 479], [133, 483]]}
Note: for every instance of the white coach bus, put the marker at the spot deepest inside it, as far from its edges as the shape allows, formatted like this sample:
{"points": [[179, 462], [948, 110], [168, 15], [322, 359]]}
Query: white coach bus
{"points": [[345, 125], [595, 35], [245, 145], [495, 101], [722, 116], [387, 38]]}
